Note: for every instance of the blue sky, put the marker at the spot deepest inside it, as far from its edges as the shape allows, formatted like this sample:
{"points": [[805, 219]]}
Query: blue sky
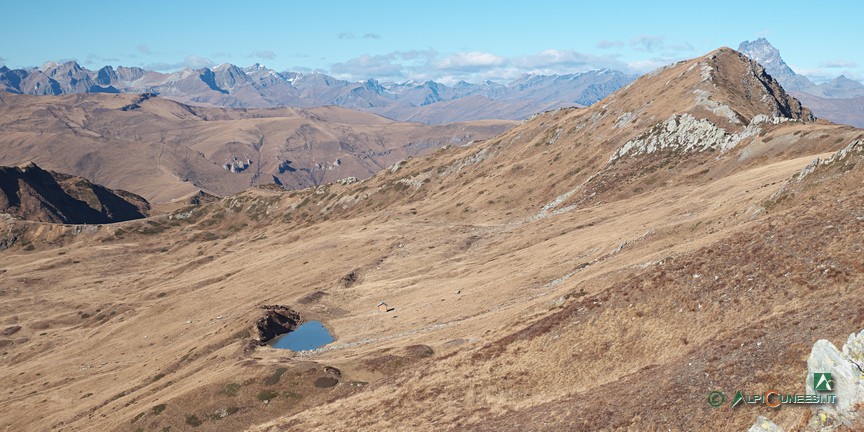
{"points": [[443, 40]]}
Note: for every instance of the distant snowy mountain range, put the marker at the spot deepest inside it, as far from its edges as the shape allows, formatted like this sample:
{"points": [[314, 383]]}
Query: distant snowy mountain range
{"points": [[257, 86], [226, 85]]}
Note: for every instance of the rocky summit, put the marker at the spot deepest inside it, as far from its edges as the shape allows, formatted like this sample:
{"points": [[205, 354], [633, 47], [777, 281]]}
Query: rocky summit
{"points": [[840, 100]]}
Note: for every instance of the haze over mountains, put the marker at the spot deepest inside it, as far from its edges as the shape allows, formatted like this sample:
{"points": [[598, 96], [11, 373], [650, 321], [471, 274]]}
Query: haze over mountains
{"points": [[257, 86], [601, 268]]}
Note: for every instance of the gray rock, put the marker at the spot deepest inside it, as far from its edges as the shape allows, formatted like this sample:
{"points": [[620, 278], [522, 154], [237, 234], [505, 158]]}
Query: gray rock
{"points": [[845, 369], [764, 425]]}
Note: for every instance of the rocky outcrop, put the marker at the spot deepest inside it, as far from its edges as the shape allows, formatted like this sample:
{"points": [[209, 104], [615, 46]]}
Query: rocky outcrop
{"points": [[236, 165], [764, 425], [854, 148], [847, 369], [277, 320], [685, 134], [31, 193]]}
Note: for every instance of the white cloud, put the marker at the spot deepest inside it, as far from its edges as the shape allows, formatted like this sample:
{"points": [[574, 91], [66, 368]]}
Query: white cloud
{"points": [[190, 61], [647, 43], [470, 61], [820, 75], [658, 45], [606, 44], [838, 64], [381, 67], [99, 61], [265, 55], [144, 49], [473, 66], [645, 66]]}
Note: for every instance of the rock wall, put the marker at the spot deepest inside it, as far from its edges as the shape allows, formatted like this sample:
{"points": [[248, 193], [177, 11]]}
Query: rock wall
{"points": [[277, 320]]}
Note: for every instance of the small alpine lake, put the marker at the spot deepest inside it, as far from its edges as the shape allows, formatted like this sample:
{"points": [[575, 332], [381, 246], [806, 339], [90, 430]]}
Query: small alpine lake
{"points": [[307, 336]]}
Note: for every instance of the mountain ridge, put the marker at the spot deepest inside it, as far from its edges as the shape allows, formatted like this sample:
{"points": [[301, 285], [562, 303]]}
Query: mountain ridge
{"points": [[163, 149], [834, 100], [256, 86], [31, 193]]}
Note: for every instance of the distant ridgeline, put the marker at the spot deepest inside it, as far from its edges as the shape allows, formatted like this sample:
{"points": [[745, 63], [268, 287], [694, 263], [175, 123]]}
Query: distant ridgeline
{"points": [[257, 86]]}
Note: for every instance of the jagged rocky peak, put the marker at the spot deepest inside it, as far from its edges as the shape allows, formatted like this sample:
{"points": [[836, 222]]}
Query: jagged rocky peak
{"points": [[723, 87], [710, 103], [749, 88], [768, 56], [762, 51]]}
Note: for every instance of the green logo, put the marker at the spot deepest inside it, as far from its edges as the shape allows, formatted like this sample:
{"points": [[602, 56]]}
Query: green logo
{"points": [[738, 398], [715, 399], [823, 382]]}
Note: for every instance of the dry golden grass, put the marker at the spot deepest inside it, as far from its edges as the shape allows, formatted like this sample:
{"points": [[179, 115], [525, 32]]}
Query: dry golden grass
{"points": [[620, 313]]}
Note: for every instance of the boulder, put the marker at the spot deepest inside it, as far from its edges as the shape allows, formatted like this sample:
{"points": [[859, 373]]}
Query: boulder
{"points": [[845, 368], [764, 425]]}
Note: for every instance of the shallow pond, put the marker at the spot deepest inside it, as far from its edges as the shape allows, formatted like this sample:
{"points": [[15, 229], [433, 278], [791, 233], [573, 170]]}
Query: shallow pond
{"points": [[309, 335]]}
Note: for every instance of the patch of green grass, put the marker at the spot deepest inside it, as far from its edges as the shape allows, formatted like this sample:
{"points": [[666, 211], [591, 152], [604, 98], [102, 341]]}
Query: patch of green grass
{"points": [[230, 389], [158, 409], [266, 395], [193, 420], [158, 377]]}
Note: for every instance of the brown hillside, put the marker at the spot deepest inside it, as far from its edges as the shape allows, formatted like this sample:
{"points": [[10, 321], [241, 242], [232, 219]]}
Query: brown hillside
{"points": [[590, 269], [164, 150], [31, 193]]}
